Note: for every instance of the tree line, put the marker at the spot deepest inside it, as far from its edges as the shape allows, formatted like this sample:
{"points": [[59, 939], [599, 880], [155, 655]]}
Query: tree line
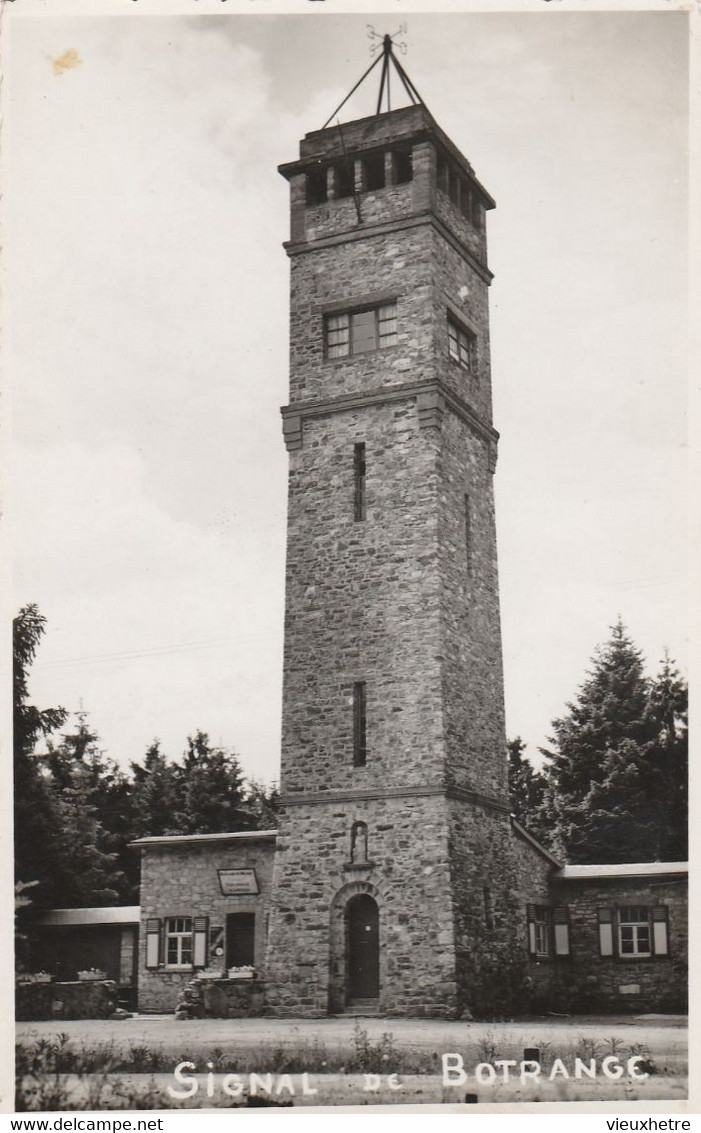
{"points": [[613, 786], [76, 810]]}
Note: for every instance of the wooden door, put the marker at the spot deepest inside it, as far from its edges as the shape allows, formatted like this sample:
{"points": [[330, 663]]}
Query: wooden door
{"points": [[240, 939], [363, 925]]}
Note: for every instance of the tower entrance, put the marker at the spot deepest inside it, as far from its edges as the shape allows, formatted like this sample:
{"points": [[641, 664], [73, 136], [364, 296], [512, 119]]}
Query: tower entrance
{"points": [[363, 948]]}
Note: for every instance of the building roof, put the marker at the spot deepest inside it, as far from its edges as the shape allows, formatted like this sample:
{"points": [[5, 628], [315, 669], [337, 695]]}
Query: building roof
{"points": [[121, 914], [195, 839], [623, 869], [528, 837]]}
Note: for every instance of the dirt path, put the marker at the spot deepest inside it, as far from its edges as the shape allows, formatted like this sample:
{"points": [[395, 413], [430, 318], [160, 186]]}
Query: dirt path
{"points": [[662, 1035]]}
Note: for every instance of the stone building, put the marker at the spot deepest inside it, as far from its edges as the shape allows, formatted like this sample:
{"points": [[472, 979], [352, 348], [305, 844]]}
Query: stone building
{"points": [[398, 881]]}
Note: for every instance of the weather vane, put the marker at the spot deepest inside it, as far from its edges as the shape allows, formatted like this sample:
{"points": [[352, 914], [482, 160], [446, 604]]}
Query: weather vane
{"points": [[385, 40], [386, 43]]}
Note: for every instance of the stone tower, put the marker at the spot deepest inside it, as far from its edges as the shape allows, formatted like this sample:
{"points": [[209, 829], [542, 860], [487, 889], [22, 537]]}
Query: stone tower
{"points": [[389, 881]]}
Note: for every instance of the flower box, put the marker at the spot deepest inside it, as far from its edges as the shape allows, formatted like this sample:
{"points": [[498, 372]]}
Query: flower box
{"points": [[246, 972], [92, 974]]}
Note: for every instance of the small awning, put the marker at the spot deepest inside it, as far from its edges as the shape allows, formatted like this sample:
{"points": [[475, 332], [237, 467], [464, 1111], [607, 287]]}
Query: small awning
{"points": [[110, 915]]}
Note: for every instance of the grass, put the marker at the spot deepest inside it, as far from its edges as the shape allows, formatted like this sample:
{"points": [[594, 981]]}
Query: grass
{"points": [[58, 1073]]}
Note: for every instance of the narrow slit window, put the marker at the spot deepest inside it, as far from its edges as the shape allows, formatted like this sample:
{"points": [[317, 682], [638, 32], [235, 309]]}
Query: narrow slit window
{"points": [[359, 725], [488, 908], [468, 534], [359, 481]]}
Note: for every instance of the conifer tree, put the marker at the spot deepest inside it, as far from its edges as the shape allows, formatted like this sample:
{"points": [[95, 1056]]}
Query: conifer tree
{"points": [[35, 815], [155, 795], [616, 771], [212, 797], [526, 785], [89, 793]]}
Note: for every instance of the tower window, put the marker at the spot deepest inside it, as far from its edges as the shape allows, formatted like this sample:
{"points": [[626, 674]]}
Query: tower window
{"points": [[442, 174], [468, 534], [345, 179], [359, 481], [359, 725], [402, 166], [357, 332], [488, 908], [374, 172], [316, 185], [461, 345]]}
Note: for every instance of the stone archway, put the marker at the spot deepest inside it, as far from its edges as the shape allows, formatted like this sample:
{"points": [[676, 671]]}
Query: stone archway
{"points": [[356, 958]]}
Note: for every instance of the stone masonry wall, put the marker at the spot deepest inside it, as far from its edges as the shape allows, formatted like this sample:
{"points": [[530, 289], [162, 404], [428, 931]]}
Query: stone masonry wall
{"points": [[179, 881], [458, 287], [472, 693], [395, 265], [495, 876], [407, 873], [602, 983], [530, 873], [362, 605]]}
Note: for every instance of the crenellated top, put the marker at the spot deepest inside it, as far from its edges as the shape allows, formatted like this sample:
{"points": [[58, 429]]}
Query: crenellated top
{"points": [[385, 168]]}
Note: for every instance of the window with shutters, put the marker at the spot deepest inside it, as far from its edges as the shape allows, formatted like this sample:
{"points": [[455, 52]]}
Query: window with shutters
{"points": [[178, 942], [548, 931], [633, 932], [541, 922], [357, 332]]}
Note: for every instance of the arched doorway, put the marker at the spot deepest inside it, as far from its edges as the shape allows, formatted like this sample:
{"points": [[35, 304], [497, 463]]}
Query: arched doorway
{"points": [[362, 948]]}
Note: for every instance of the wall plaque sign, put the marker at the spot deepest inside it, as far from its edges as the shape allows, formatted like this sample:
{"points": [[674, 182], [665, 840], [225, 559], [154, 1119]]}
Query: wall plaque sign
{"points": [[236, 882]]}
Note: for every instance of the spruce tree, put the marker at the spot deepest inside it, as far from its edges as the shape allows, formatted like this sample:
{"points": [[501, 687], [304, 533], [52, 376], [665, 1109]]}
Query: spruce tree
{"points": [[616, 772], [34, 808], [155, 795], [526, 785], [212, 797]]}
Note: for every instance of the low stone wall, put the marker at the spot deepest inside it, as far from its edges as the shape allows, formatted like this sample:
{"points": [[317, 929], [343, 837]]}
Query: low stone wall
{"points": [[233, 999], [222, 999], [79, 999]]}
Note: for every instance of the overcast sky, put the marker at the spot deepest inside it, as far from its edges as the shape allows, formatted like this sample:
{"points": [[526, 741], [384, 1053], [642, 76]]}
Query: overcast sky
{"points": [[149, 330]]}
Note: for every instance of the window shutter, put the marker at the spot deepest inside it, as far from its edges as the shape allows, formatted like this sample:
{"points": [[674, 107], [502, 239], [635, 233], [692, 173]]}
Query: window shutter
{"points": [[153, 942], [659, 930], [561, 930], [605, 932], [530, 910], [364, 331], [200, 933]]}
